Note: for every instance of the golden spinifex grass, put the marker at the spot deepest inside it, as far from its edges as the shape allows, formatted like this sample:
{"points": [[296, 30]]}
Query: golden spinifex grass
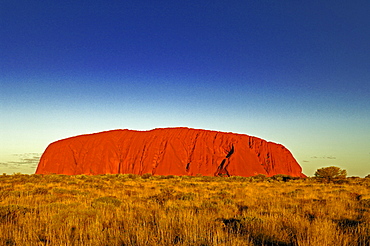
{"points": [[157, 210]]}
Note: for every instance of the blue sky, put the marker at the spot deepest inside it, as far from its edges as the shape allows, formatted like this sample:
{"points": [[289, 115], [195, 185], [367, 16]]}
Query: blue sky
{"points": [[296, 73]]}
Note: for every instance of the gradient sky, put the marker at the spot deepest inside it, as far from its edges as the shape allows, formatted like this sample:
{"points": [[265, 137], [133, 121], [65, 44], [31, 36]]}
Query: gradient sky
{"points": [[291, 72]]}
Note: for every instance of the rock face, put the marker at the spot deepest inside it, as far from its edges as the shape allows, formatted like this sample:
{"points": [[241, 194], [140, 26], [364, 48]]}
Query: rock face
{"points": [[168, 151]]}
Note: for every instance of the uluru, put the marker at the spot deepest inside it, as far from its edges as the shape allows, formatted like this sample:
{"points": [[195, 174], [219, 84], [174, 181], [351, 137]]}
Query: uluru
{"points": [[168, 151]]}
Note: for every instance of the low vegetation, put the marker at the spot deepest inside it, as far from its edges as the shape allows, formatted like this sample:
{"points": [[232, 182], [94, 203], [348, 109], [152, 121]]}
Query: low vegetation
{"points": [[171, 210]]}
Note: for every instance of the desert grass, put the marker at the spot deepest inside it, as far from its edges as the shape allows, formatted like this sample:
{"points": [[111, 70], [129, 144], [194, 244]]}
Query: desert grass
{"points": [[181, 210]]}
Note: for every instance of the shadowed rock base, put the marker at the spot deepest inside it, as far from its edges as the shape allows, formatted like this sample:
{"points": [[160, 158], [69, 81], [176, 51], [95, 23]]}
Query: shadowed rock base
{"points": [[168, 151]]}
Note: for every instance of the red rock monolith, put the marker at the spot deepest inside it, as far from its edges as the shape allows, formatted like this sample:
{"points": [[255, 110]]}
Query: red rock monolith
{"points": [[168, 151]]}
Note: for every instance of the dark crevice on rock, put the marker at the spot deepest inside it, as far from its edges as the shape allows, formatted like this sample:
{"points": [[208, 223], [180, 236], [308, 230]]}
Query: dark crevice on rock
{"points": [[230, 152], [187, 167], [221, 170]]}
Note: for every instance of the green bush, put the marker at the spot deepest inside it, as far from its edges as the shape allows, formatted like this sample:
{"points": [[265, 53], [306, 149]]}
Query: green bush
{"points": [[12, 212], [330, 173], [106, 200], [40, 191], [282, 177], [165, 195], [62, 191], [146, 176], [259, 177], [186, 196]]}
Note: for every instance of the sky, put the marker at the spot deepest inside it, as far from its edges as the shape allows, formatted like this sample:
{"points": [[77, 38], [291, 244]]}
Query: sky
{"points": [[290, 72]]}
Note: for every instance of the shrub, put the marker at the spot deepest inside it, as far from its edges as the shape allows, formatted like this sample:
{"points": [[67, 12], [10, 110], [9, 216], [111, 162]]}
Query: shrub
{"points": [[146, 175], [165, 195], [186, 196], [365, 203], [330, 173], [12, 212], [131, 176], [259, 177], [62, 191], [237, 178], [106, 200], [282, 177], [40, 191]]}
